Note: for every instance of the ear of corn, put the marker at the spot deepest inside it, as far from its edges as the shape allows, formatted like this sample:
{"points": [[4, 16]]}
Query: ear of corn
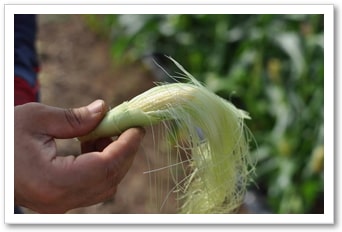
{"points": [[219, 153]]}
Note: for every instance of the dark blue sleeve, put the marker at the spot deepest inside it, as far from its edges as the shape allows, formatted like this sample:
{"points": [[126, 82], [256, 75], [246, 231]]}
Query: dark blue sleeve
{"points": [[25, 57]]}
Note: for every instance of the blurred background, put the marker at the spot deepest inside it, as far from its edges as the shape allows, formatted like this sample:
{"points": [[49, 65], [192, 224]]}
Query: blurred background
{"points": [[269, 65]]}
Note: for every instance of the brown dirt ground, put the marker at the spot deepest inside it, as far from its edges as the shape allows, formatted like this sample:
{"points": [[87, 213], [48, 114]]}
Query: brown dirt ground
{"points": [[76, 69]]}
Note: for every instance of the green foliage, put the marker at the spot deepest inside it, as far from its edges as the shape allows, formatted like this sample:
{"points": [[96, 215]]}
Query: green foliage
{"points": [[270, 65]]}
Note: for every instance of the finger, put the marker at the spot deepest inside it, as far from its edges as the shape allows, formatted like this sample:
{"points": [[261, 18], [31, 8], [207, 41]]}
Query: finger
{"points": [[95, 167], [120, 153], [69, 123], [119, 156], [132, 136], [97, 174], [127, 143]]}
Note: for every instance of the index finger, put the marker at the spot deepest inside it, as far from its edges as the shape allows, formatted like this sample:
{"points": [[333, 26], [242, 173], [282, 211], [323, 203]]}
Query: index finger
{"points": [[121, 152], [95, 167]]}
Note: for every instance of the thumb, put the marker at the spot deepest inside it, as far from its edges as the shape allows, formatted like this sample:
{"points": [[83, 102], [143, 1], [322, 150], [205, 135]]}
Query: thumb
{"points": [[68, 123]]}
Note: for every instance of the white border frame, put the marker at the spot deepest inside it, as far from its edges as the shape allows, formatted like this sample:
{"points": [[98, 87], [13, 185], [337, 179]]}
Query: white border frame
{"points": [[326, 218]]}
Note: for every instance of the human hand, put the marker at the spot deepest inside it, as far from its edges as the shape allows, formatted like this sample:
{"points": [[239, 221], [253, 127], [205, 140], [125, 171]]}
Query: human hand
{"points": [[47, 183]]}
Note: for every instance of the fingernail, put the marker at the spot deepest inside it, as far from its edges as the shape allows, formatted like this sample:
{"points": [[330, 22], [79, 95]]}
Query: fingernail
{"points": [[96, 106]]}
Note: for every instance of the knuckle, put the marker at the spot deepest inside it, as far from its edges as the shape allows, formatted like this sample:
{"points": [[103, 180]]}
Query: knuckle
{"points": [[73, 117]]}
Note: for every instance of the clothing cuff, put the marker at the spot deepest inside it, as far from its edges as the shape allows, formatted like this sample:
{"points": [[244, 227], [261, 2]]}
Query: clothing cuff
{"points": [[30, 76], [24, 92]]}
